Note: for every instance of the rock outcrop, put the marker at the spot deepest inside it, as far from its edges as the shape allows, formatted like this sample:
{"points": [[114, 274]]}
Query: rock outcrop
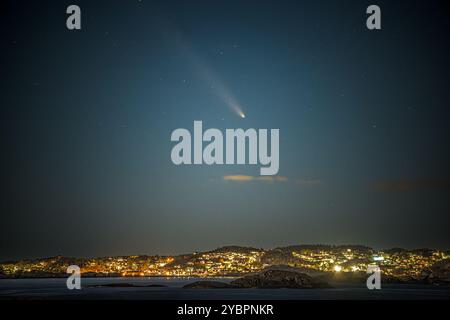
{"points": [[205, 284], [284, 277], [279, 279], [440, 272], [125, 285]]}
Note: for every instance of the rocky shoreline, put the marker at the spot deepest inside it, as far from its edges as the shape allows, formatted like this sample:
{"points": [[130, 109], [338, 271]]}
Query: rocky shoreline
{"points": [[290, 277], [271, 278]]}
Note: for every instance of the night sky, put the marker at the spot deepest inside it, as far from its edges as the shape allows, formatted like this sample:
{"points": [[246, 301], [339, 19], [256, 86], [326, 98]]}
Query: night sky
{"points": [[86, 119]]}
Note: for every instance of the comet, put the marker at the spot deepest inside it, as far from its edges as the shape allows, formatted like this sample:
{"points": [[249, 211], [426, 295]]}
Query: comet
{"points": [[209, 76], [231, 102], [234, 106], [221, 91]]}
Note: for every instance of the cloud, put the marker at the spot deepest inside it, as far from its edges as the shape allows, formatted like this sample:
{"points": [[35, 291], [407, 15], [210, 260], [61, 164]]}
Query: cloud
{"points": [[300, 182], [244, 178], [408, 185]]}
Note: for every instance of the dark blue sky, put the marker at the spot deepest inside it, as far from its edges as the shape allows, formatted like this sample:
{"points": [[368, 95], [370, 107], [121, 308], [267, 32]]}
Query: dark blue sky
{"points": [[87, 117]]}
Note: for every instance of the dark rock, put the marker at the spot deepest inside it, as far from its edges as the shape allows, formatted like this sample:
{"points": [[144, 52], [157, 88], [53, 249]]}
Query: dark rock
{"points": [[204, 284], [125, 285], [155, 286], [279, 279], [440, 272], [112, 285]]}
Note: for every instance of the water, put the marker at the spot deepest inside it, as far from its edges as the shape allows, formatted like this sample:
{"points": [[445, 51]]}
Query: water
{"points": [[56, 289]]}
